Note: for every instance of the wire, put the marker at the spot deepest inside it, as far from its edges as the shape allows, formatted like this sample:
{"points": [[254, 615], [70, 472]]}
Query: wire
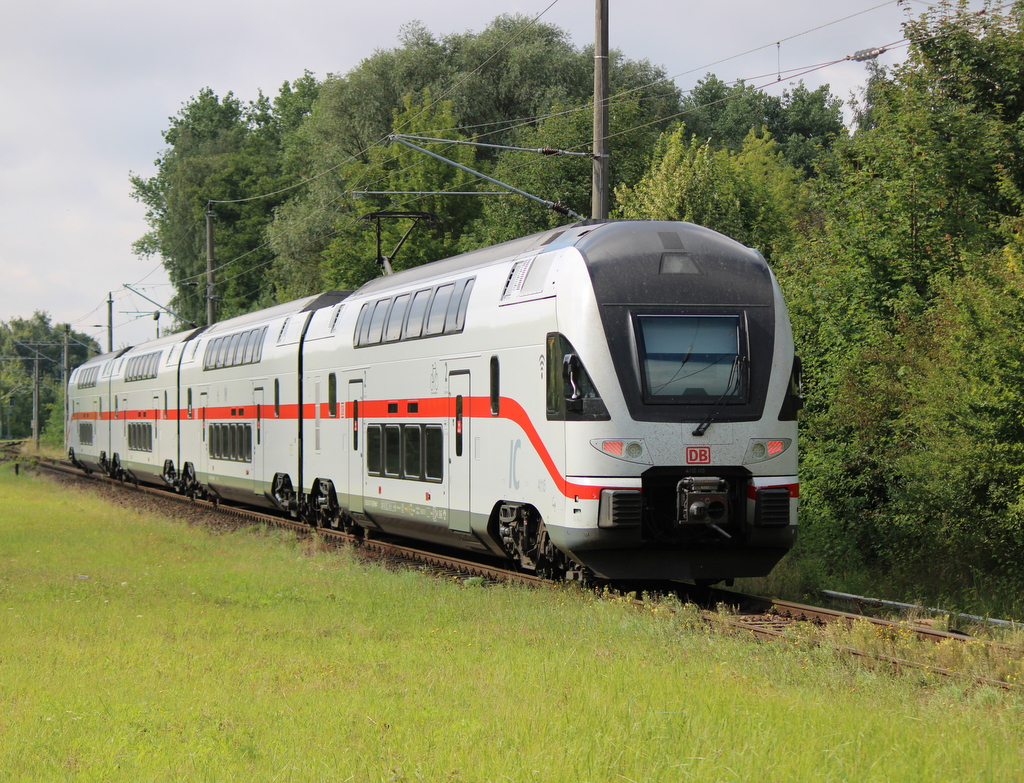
{"points": [[369, 176]]}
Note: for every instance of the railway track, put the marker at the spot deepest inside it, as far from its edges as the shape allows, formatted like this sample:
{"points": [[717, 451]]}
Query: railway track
{"points": [[762, 618]]}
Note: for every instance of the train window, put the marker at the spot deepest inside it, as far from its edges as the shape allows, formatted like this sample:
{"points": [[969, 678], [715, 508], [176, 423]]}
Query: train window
{"points": [[414, 324], [247, 347], [458, 425], [337, 315], [438, 309], [571, 395], [233, 357], [427, 313], [259, 345], [373, 449], [453, 307], [332, 396], [434, 463], [87, 379], [277, 398], [224, 343], [412, 439], [140, 368], [692, 359], [460, 316], [230, 442], [396, 318], [380, 310], [392, 449], [190, 403], [362, 325], [284, 326], [495, 386], [355, 425]]}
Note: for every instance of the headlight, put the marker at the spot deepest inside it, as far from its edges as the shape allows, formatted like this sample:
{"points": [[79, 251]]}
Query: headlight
{"points": [[761, 449], [628, 450]]}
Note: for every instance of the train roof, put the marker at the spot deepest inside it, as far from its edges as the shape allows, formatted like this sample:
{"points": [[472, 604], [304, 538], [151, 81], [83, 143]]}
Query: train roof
{"points": [[611, 248]]}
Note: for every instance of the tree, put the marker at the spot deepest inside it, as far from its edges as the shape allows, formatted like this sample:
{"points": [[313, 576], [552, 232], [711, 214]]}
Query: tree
{"points": [[804, 122], [753, 196], [224, 157], [22, 341], [514, 83], [905, 295]]}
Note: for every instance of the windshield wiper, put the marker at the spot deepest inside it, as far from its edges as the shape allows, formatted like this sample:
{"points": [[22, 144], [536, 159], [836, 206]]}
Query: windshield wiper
{"points": [[703, 426]]}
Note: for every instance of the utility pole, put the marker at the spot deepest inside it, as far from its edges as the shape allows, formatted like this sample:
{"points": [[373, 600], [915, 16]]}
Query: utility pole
{"points": [[35, 404], [211, 316], [599, 196], [65, 373], [110, 322]]}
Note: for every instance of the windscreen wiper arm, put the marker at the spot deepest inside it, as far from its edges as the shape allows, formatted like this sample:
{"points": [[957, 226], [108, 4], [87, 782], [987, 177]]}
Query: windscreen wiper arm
{"points": [[701, 428]]}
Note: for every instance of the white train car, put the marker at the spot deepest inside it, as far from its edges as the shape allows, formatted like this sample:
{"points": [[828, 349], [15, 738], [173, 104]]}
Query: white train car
{"points": [[241, 426], [616, 398]]}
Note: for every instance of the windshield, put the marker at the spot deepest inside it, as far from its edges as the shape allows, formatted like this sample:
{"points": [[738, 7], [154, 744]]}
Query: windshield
{"points": [[690, 358]]}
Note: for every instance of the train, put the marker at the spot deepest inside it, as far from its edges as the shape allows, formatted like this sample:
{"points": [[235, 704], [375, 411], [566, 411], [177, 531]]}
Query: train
{"points": [[609, 399]]}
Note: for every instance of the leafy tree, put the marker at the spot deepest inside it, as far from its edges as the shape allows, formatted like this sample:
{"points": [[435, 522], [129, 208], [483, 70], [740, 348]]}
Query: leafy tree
{"points": [[804, 122], [905, 296], [532, 92], [22, 341], [221, 151], [754, 195], [347, 258]]}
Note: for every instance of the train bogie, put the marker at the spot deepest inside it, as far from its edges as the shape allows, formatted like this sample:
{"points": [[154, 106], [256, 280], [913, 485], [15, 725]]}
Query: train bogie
{"points": [[612, 398]]}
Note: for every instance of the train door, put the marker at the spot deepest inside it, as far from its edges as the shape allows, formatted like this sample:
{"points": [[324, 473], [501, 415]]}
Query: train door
{"points": [[355, 451], [156, 454], [102, 438], [459, 426], [203, 462], [317, 444], [257, 440]]}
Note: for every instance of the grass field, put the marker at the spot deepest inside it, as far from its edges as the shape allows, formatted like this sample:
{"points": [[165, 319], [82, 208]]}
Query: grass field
{"points": [[138, 648]]}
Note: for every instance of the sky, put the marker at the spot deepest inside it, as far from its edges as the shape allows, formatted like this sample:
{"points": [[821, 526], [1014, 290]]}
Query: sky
{"points": [[87, 88]]}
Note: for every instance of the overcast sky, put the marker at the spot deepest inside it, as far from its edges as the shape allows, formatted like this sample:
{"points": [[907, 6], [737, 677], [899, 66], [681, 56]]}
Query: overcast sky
{"points": [[86, 88]]}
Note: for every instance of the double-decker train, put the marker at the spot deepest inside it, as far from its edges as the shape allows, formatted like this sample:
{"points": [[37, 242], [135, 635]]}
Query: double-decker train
{"points": [[613, 398]]}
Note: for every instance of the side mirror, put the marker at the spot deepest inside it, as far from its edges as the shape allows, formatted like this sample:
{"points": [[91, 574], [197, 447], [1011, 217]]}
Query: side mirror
{"points": [[571, 369]]}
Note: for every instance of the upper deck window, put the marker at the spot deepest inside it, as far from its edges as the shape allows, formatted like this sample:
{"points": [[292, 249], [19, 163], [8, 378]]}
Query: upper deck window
{"points": [[233, 350], [141, 368], [695, 359], [428, 312]]}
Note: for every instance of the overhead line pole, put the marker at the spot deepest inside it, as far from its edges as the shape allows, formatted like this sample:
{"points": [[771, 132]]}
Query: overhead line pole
{"points": [[110, 322], [599, 194], [210, 312]]}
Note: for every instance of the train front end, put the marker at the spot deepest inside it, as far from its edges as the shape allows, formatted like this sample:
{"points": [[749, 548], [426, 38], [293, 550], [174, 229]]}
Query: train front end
{"points": [[675, 376]]}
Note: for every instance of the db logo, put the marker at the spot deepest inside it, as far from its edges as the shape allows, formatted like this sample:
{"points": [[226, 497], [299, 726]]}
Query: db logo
{"points": [[698, 455]]}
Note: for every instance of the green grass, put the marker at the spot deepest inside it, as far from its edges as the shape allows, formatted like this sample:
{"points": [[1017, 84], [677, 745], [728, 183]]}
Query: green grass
{"points": [[137, 648]]}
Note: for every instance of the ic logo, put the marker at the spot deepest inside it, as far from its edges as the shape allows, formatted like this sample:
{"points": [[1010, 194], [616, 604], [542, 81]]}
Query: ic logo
{"points": [[698, 455]]}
